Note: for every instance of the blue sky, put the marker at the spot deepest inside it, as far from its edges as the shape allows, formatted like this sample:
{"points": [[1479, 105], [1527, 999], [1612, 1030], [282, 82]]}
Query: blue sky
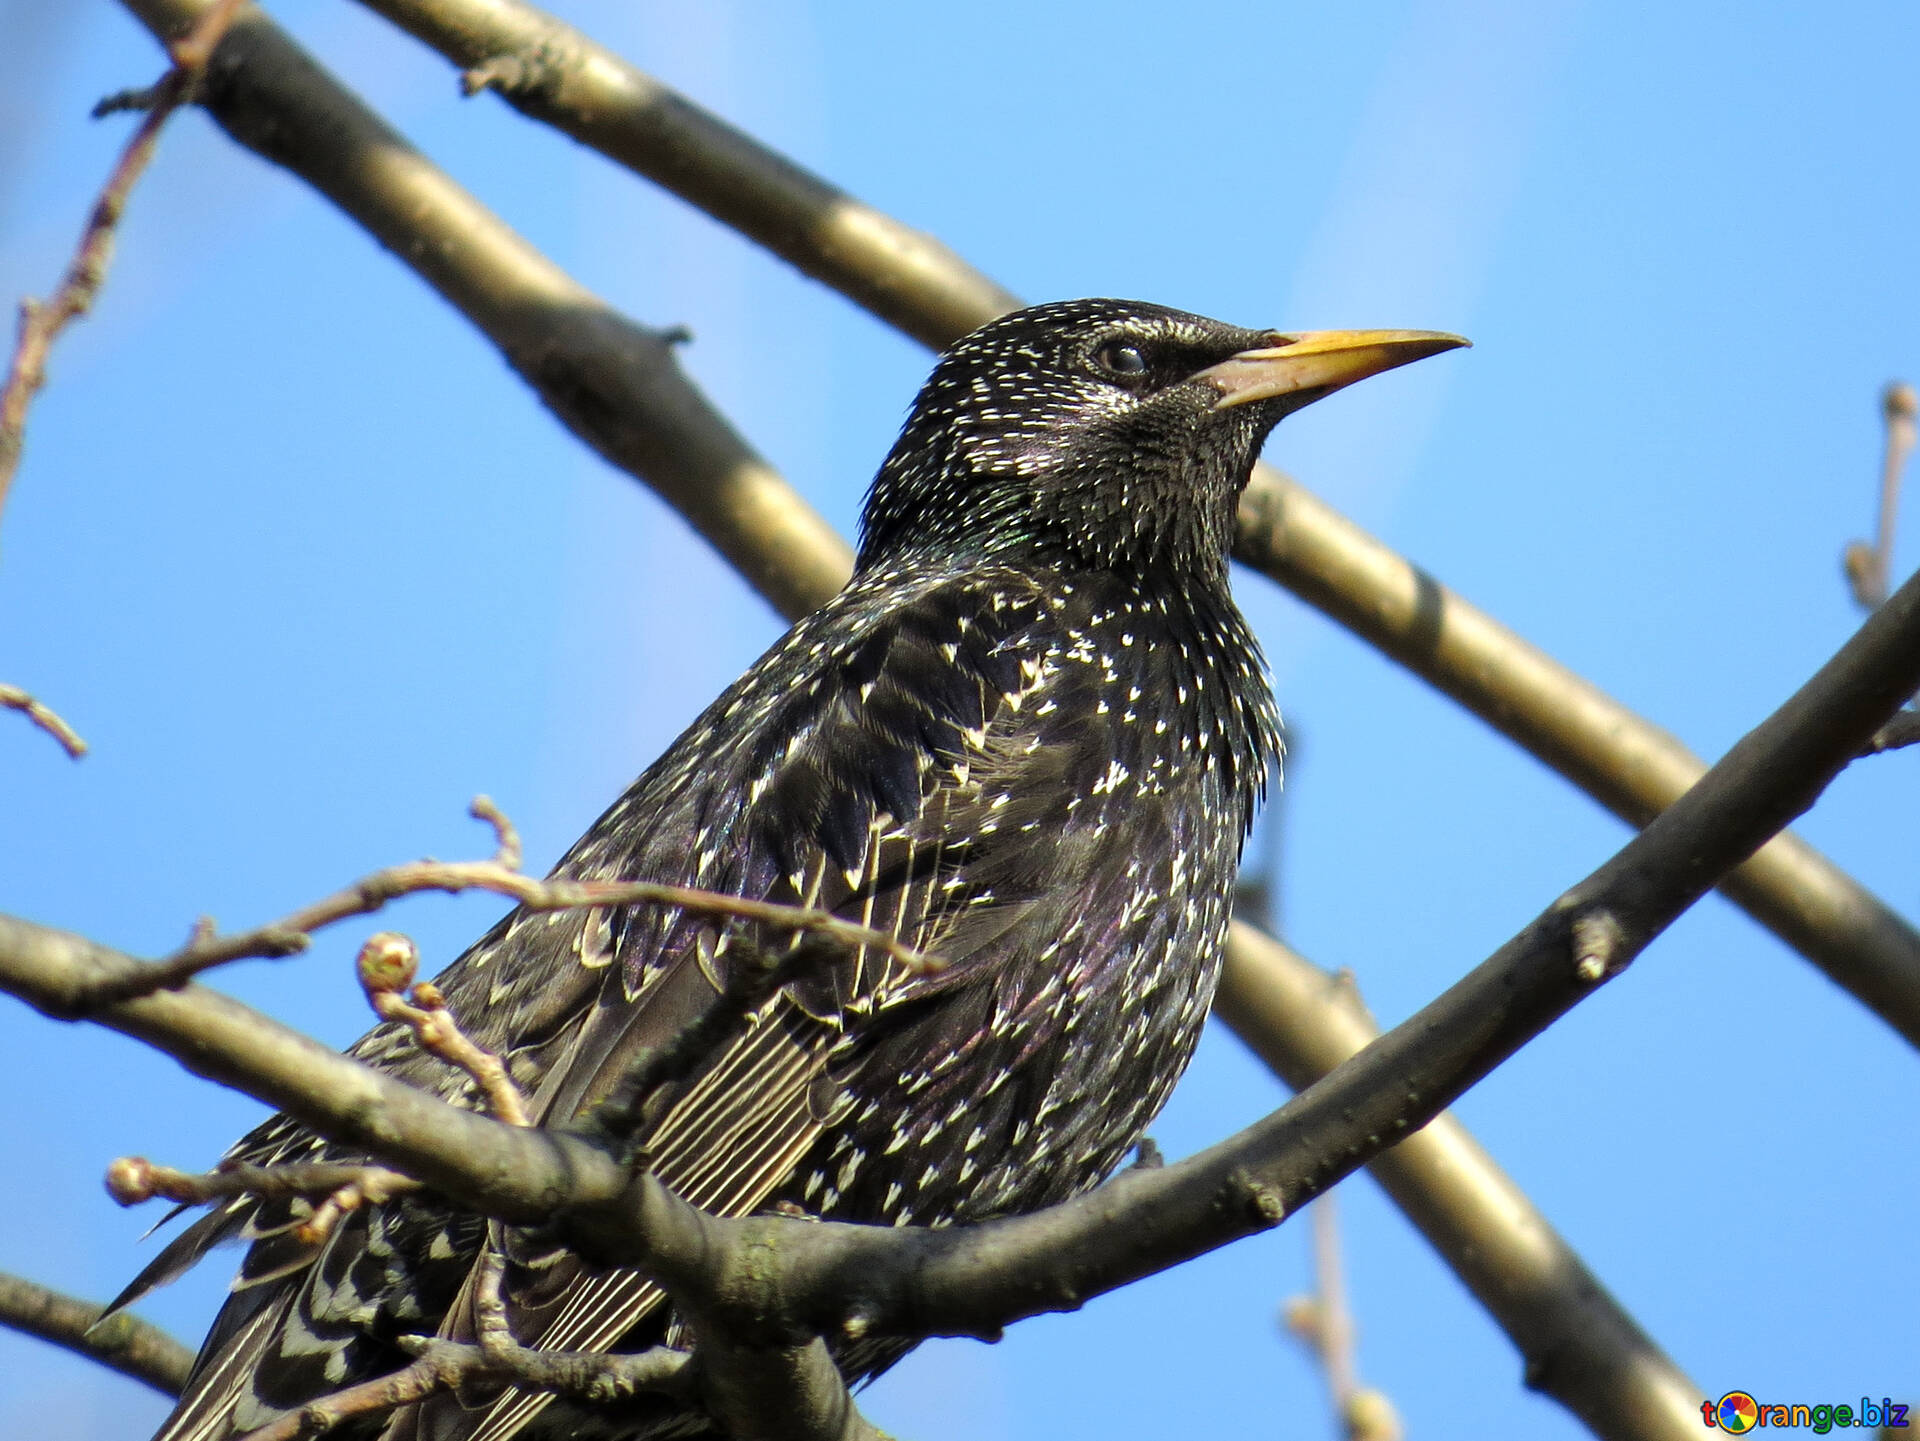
{"points": [[310, 568]]}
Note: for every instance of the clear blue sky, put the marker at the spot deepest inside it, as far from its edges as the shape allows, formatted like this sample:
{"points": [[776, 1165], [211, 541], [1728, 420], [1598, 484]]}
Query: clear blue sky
{"points": [[310, 568]]}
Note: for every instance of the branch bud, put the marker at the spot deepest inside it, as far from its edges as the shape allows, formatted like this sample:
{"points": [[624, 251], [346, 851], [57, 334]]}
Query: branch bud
{"points": [[130, 1180], [387, 963]]}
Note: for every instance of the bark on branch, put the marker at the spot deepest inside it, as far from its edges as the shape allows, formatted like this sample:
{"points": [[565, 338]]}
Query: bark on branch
{"points": [[129, 1345], [1576, 1342]]}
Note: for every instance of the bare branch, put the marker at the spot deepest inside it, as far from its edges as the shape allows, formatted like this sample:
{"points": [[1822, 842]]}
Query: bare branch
{"points": [[293, 934], [1868, 567], [555, 74], [13, 698], [1323, 1323], [497, 1359], [386, 967], [616, 384], [1902, 730], [1577, 1343], [129, 1345], [1631, 767], [295, 115], [134, 1179], [42, 322]]}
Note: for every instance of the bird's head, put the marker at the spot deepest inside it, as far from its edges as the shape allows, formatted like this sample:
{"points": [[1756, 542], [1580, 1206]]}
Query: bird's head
{"points": [[1104, 433]]}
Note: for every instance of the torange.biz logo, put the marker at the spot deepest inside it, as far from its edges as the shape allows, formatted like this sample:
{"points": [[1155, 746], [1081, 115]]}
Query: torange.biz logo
{"points": [[1737, 1412]]}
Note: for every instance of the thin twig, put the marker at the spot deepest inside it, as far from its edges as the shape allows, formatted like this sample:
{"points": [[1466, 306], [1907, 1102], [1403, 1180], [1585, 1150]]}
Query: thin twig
{"points": [[42, 322], [129, 1345], [386, 967], [334, 1188], [1868, 568], [495, 1358], [134, 1179], [1902, 730], [13, 698], [293, 934], [1323, 1322]]}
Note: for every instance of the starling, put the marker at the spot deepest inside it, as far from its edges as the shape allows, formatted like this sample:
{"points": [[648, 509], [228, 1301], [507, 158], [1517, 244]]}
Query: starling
{"points": [[1027, 738]]}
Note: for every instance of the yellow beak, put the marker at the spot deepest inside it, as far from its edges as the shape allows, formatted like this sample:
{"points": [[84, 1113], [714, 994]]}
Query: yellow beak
{"points": [[1319, 361]]}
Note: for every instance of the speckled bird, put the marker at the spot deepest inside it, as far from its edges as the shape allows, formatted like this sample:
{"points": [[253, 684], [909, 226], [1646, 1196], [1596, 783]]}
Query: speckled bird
{"points": [[1028, 738]]}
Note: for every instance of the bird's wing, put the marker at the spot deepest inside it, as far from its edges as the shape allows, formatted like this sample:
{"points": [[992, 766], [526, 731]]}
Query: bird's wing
{"points": [[876, 769], [893, 791]]}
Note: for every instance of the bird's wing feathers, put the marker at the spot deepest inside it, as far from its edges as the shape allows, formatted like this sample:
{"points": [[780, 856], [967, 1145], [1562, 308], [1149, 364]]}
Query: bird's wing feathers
{"points": [[841, 781], [853, 801]]}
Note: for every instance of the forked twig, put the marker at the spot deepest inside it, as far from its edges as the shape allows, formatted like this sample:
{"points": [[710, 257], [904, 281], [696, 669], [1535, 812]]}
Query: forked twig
{"points": [[1868, 567], [386, 967], [293, 934], [495, 1357], [42, 321]]}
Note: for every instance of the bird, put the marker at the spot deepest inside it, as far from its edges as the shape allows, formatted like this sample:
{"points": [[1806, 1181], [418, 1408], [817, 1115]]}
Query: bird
{"points": [[1028, 738]]}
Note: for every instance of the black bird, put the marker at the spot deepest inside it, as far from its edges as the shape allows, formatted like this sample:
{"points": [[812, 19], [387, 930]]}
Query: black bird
{"points": [[1028, 738]]}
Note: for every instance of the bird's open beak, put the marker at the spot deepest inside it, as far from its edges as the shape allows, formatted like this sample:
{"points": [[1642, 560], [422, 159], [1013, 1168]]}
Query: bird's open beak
{"points": [[1319, 361]]}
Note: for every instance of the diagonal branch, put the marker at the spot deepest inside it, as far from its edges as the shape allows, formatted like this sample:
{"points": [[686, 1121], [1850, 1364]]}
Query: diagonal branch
{"points": [[1577, 1343], [552, 72], [614, 383], [129, 1345], [42, 322]]}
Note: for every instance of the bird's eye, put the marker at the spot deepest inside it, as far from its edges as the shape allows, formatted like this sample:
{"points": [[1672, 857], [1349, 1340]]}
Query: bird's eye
{"points": [[1121, 359]]}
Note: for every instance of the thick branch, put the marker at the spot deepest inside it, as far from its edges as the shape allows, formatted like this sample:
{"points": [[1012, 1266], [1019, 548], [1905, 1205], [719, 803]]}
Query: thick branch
{"points": [[615, 384], [518, 1174], [1631, 767], [1577, 1343], [556, 74], [129, 1345], [553, 73]]}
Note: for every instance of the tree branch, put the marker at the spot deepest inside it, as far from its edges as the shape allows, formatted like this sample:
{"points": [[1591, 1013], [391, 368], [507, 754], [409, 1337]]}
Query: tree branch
{"points": [[615, 384], [294, 933], [41, 323], [44, 716], [1577, 1343], [555, 74], [1868, 566], [1631, 767], [129, 1345]]}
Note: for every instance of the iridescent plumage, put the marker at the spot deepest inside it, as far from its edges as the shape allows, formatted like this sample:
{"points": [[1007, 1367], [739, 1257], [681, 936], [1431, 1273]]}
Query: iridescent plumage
{"points": [[1028, 738]]}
